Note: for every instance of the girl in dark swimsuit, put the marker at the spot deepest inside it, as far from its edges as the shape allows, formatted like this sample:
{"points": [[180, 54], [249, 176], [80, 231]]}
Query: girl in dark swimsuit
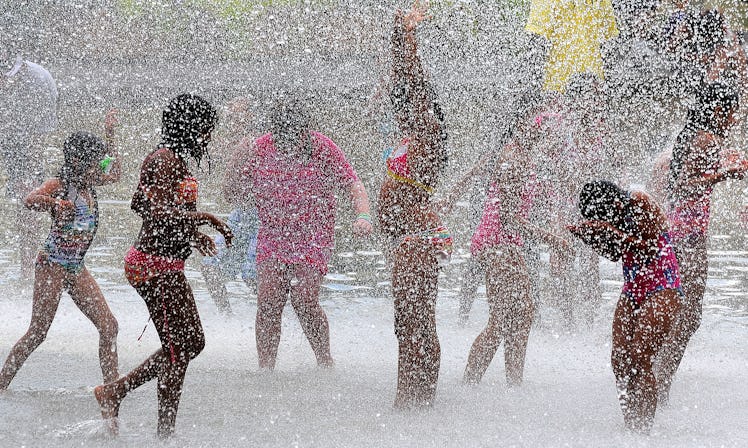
{"points": [[631, 227], [71, 200], [166, 200], [407, 216]]}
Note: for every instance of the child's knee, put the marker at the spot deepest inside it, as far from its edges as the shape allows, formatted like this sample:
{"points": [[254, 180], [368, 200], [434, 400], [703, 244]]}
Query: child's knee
{"points": [[109, 329]]}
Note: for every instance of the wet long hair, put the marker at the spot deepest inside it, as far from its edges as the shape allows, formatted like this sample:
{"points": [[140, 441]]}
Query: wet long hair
{"points": [[598, 202], [713, 99], [80, 150], [709, 32], [186, 125]]}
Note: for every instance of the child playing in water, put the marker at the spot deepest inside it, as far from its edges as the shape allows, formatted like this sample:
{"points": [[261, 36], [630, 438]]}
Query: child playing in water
{"points": [[71, 200], [631, 227], [166, 200], [293, 174], [697, 165], [407, 216], [498, 244], [243, 221]]}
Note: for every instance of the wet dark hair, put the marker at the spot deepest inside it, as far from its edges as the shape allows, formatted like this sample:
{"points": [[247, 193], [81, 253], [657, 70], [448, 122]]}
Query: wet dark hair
{"points": [[597, 202], [290, 120], [80, 150], [186, 121], [711, 99], [709, 32]]}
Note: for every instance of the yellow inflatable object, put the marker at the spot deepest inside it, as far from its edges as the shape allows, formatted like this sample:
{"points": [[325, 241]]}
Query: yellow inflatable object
{"points": [[575, 29]]}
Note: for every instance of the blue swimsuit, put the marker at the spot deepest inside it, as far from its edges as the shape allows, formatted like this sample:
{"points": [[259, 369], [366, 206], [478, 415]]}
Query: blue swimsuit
{"points": [[68, 243]]}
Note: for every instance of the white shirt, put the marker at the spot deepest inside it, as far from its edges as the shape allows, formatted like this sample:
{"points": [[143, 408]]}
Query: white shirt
{"points": [[28, 100]]}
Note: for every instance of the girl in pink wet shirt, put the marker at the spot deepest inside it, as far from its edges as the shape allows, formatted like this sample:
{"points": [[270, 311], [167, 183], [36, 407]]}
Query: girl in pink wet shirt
{"points": [[498, 245], [293, 174]]}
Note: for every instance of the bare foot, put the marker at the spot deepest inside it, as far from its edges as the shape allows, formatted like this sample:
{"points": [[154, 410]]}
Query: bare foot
{"points": [[109, 402]]}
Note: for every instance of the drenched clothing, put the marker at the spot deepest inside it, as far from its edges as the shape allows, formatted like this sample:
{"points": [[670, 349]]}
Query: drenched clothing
{"points": [[296, 200], [241, 257], [141, 267], [490, 232], [689, 217], [68, 242], [644, 277], [439, 238], [398, 169]]}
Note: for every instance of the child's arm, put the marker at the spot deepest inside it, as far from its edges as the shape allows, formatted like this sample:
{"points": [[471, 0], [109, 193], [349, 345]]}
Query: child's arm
{"points": [[481, 168], [42, 199], [154, 197], [530, 230], [362, 225], [112, 172], [602, 237]]}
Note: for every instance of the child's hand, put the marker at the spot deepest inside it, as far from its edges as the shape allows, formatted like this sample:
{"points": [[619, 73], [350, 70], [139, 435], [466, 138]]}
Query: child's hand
{"points": [[416, 15], [205, 245], [362, 227], [224, 230], [738, 170]]}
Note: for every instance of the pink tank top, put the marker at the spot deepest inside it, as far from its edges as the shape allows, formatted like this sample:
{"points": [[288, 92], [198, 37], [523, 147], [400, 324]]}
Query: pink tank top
{"points": [[490, 232]]}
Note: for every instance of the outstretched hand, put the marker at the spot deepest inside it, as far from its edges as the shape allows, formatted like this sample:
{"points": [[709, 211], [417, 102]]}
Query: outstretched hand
{"points": [[416, 15], [205, 245]]}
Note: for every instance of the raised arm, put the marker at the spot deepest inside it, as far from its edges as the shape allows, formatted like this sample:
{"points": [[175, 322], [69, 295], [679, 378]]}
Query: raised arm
{"points": [[112, 173]]}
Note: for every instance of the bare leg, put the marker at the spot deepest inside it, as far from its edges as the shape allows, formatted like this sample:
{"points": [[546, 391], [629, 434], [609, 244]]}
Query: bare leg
{"points": [[87, 296], [272, 293], [511, 314], [305, 301], [414, 284], [174, 312], [469, 288], [693, 265], [624, 322], [48, 284], [650, 323]]}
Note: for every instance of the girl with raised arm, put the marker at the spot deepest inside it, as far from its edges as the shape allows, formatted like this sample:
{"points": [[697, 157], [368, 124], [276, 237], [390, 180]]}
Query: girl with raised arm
{"points": [[698, 163], [498, 244], [166, 200], [407, 216], [70, 198]]}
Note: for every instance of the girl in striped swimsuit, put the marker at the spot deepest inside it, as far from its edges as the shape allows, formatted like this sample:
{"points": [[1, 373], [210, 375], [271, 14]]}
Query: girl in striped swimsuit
{"points": [[71, 200]]}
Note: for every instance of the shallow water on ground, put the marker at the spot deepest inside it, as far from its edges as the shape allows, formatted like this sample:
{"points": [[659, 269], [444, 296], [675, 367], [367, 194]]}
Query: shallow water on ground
{"points": [[568, 397]]}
